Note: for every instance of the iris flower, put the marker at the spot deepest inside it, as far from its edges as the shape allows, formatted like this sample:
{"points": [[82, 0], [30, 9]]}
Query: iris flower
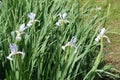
{"points": [[62, 19], [14, 51], [32, 19], [102, 34], [71, 43], [20, 32]]}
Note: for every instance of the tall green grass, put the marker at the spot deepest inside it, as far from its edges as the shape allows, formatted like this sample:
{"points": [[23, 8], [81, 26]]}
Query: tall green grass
{"points": [[44, 57]]}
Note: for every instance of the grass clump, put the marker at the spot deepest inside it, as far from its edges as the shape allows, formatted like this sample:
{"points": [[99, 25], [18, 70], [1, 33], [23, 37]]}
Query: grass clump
{"points": [[51, 40]]}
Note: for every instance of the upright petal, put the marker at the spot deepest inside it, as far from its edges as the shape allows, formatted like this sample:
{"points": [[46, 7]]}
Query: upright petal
{"points": [[13, 48], [73, 40], [64, 15], [31, 16], [102, 31], [13, 34], [22, 28]]}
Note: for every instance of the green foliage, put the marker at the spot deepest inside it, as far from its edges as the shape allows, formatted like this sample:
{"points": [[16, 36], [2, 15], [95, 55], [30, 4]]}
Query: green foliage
{"points": [[44, 58]]}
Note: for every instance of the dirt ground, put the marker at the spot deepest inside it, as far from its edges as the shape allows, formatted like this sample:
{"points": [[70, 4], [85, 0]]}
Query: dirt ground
{"points": [[113, 52]]}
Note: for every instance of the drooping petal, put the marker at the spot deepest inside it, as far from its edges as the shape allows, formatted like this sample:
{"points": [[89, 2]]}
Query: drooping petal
{"points": [[19, 52], [66, 21], [18, 38], [23, 54], [58, 23], [9, 58], [98, 38], [107, 38], [30, 23], [63, 47]]}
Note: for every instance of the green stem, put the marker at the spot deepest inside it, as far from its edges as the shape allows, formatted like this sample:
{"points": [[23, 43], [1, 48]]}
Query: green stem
{"points": [[91, 73]]}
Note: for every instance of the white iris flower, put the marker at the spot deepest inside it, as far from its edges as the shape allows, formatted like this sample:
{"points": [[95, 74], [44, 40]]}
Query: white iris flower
{"points": [[62, 19], [102, 34]]}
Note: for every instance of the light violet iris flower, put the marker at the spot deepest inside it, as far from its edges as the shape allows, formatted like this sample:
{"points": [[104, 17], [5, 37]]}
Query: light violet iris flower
{"points": [[20, 32], [62, 19], [14, 51], [32, 19], [102, 34], [71, 43]]}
